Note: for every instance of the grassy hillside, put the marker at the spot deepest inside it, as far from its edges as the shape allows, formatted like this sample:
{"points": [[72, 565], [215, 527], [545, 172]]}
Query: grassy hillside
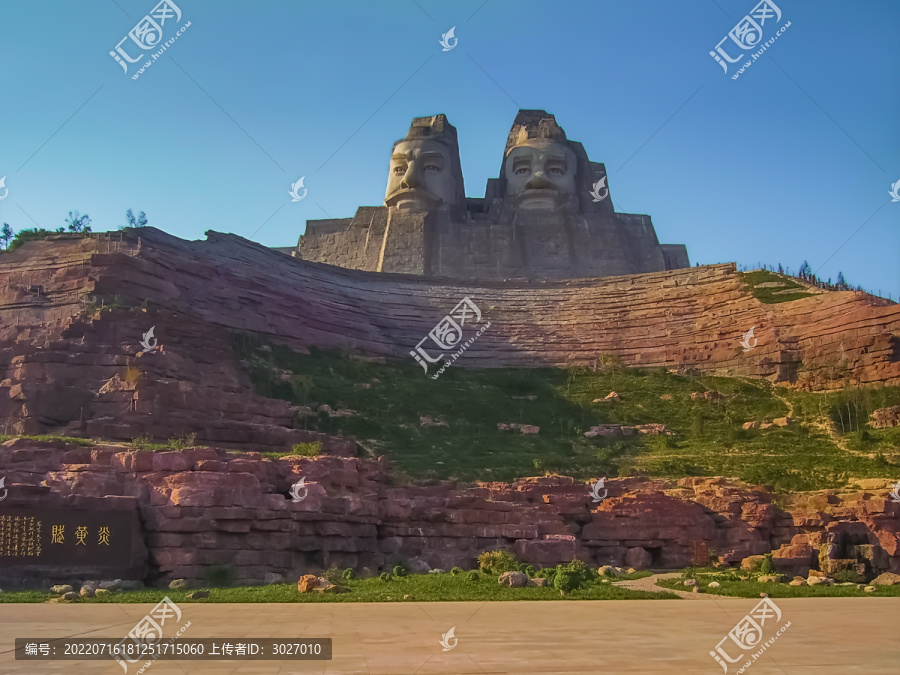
{"points": [[389, 400]]}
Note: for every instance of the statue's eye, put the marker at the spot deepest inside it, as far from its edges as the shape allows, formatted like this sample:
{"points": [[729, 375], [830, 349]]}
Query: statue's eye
{"points": [[432, 167], [521, 171], [556, 171], [399, 169]]}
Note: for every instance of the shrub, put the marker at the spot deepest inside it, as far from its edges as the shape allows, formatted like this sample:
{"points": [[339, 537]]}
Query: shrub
{"points": [[581, 573], [456, 570], [384, 576], [332, 575], [527, 569], [565, 581], [843, 576], [183, 442], [547, 573], [219, 576], [472, 576], [348, 574], [766, 567], [497, 562], [307, 449], [399, 571]]}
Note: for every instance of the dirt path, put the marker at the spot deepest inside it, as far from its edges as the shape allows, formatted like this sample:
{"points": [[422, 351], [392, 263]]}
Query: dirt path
{"points": [[824, 425], [649, 584]]}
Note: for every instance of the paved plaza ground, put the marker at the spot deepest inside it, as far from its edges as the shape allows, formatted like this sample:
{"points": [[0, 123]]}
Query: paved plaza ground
{"points": [[827, 636]]}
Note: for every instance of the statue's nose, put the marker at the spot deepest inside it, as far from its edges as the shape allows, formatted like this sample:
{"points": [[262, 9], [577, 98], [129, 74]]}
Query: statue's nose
{"points": [[411, 178], [538, 181]]}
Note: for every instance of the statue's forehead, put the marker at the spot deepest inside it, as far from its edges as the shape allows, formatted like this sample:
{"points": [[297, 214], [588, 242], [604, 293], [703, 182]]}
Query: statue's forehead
{"points": [[406, 149], [544, 148]]}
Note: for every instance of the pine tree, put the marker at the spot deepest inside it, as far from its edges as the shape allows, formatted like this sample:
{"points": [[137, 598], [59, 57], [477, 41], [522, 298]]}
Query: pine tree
{"points": [[6, 235], [841, 282]]}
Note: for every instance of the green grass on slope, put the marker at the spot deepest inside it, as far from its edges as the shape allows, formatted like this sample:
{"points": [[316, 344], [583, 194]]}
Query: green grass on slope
{"points": [[787, 290], [389, 400]]}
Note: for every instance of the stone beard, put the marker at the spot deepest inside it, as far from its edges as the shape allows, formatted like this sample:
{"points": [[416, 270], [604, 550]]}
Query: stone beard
{"points": [[540, 174], [420, 177]]}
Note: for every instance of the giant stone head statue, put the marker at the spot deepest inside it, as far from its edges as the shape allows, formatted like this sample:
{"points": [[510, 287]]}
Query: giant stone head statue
{"points": [[425, 172], [539, 166]]}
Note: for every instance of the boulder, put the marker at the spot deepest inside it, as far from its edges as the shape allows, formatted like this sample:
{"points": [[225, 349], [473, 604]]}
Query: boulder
{"points": [[61, 589], [514, 579], [714, 584], [751, 425], [113, 585], [70, 596], [797, 582], [690, 582], [307, 583], [886, 579], [178, 584], [87, 591], [783, 421], [102, 591], [751, 562], [819, 581], [610, 571], [870, 589], [769, 579], [539, 581]]}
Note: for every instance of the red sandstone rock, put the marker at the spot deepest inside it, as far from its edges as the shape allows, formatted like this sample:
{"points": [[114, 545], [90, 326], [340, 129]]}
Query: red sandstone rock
{"points": [[307, 583]]}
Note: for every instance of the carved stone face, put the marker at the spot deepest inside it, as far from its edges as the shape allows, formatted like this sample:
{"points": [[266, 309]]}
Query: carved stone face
{"points": [[539, 173], [420, 176]]}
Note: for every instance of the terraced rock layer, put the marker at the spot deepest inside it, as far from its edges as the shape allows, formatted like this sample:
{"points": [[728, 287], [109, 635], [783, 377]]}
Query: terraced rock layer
{"points": [[63, 366]]}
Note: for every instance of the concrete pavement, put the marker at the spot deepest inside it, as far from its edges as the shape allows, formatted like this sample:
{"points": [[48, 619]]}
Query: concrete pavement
{"points": [[827, 636]]}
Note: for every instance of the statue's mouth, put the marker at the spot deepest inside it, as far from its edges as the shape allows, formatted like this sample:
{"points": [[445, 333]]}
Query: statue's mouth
{"points": [[412, 197]]}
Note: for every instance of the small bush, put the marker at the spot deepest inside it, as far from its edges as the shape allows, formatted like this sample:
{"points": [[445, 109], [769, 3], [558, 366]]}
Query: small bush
{"points": [[332, 575], [766, 567], [498, 562], [844, 576], [183, 442], [565, 581], [472, 576], [384, 576], [528, 569], [456, 570], [399, 571], [348, 574], [307, 449]]}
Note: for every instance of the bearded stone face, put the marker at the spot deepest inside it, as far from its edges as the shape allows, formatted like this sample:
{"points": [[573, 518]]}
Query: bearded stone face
{"points": [[540, 173], [420, 176]]}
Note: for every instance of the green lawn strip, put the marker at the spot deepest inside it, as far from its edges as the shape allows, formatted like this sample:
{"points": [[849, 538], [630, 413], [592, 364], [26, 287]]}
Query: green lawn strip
{"points": [[752, 589], [420, 588]]}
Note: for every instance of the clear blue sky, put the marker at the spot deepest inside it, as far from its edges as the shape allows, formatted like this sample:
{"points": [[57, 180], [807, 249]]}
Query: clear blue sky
{"points": [[784, 163]]}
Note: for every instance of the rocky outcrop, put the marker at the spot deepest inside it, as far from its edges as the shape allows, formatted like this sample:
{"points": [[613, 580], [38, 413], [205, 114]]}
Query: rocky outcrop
{"points": [[202, 507], [65, 364]]}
